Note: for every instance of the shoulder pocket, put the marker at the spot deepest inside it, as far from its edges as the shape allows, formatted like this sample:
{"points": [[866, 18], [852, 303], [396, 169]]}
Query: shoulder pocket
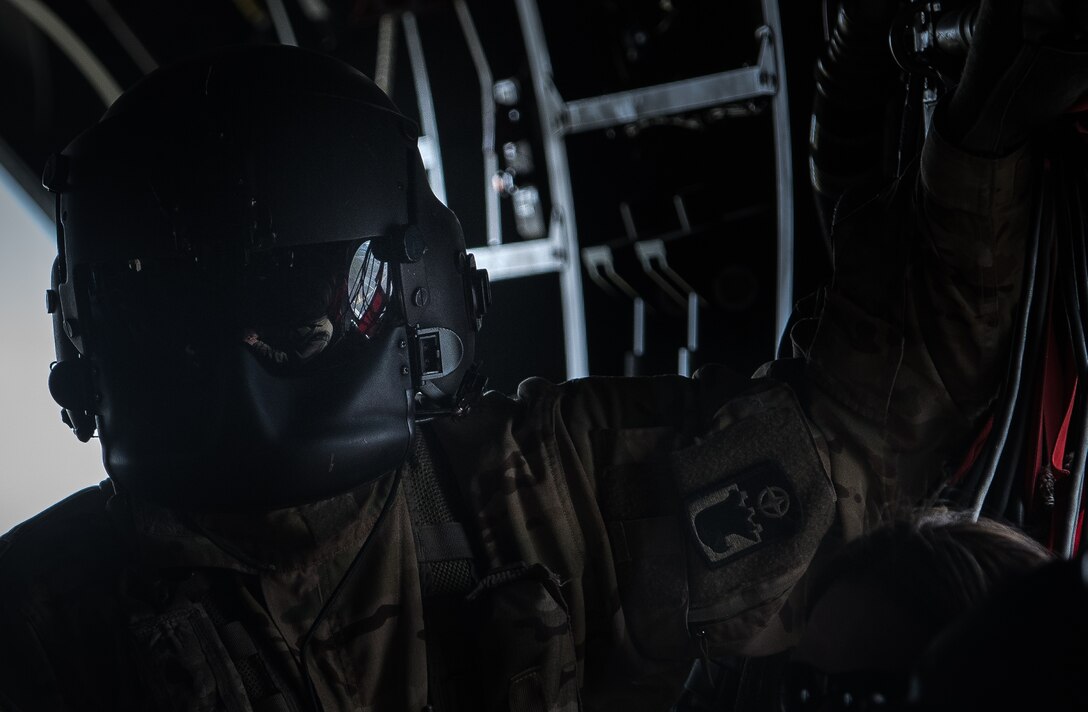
{"points": [[756, 501]]}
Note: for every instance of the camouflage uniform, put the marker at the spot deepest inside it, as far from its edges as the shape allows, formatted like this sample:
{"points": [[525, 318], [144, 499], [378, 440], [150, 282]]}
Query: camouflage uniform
{"points": [[569, 547]]}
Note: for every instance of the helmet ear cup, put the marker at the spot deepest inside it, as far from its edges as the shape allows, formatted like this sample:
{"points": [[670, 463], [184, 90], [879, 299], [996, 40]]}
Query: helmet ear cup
{"points": [[70, 386], [478, 287]]}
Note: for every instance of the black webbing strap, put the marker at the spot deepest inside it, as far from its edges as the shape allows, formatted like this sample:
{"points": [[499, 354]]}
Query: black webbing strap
{"points": [[446, 541], [446, 561], [265, 689], [447, 573]]}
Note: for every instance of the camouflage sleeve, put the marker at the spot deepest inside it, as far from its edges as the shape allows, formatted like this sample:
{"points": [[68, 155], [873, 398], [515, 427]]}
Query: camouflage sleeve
{"points": [[713, 508], [913, 340], [706, 499], [677, 513]]}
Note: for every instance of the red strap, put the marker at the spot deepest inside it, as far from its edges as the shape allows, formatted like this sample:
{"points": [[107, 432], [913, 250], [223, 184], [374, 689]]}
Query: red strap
{"points": [[1057, 456], [1057, 465], [1058, 391], [1052, 413], [1047, 409], [973, 452]]}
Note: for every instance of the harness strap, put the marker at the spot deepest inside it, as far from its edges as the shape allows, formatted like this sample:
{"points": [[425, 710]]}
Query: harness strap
{"points": [[446, 560], [265, 689], [447, 571], [443, 542]]}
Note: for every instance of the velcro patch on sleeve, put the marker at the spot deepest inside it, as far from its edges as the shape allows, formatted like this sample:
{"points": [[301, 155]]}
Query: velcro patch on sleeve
{"points": [[740, 517], [756, 501]]}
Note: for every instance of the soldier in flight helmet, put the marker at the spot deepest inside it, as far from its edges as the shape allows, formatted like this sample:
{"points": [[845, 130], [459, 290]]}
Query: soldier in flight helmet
{"points": [[270, 323], [262, 293]]}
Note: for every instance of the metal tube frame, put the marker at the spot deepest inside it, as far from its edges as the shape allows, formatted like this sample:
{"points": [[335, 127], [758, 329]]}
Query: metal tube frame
{"points": [[563, 233], [609, 110], [783, 152], [53, 27], [487, 112], [281, 22], [559, 251], [124, 35], [427, 118], [385, 59]]}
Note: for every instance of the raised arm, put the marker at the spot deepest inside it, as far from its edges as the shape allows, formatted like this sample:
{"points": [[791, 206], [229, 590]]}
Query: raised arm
{"points": [[913, 344]]}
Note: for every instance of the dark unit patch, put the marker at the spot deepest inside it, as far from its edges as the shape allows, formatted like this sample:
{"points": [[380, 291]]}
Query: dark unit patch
{"points": [[743, 514]]}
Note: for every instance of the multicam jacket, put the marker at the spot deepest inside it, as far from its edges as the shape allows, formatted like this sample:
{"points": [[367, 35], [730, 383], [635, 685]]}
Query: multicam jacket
{"points": [[570, 547]]}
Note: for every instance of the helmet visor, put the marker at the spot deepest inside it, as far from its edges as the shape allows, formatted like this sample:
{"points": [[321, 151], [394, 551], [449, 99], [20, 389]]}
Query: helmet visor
{"points": [[293, 308]]}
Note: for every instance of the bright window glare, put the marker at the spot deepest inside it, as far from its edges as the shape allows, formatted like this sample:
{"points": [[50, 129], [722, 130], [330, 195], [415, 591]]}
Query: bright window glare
{"points": [[41, 461]]}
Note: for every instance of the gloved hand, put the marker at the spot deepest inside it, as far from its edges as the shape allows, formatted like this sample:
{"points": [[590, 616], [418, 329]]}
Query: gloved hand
{"points": [[1028, 65]]}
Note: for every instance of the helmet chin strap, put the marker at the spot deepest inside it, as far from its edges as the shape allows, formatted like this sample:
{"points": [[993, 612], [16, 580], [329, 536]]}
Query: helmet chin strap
{"points": [[471, 388]]}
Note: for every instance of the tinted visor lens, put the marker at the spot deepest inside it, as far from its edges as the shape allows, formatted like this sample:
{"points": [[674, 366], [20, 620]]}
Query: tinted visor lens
{"points": [[291, 307]]}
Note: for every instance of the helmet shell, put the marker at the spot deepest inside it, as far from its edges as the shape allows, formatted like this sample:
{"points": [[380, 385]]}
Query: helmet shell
{"points": [[227, 155]]}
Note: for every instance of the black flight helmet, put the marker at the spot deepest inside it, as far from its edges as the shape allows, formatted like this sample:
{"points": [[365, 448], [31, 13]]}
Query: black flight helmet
{"points": [[256, 293]]}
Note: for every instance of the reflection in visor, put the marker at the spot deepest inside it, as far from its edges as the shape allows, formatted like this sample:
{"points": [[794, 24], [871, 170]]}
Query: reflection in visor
{"points": [[299, 344], [368, 289], [287, 306], [326, 306]]}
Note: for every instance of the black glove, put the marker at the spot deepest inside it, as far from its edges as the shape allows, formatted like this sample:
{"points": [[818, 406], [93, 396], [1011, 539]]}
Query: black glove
{"points": [[1028, 64]]}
